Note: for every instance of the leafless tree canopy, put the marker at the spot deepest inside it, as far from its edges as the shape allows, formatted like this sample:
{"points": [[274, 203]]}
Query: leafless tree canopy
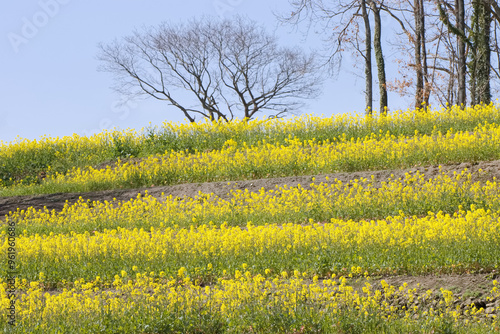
{"points": [[446, 51], [230, 68]]}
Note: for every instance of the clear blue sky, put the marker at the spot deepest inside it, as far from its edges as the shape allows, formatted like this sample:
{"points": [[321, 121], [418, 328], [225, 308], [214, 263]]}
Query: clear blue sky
{"points": [[50, 84]]}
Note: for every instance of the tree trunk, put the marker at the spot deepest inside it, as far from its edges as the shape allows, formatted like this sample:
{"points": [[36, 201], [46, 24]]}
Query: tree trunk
{"points": [[462, 93], [368, 60], [425, 71], [484, 54], [480, 58], [418, 51], [377, 45], [473, 63]]}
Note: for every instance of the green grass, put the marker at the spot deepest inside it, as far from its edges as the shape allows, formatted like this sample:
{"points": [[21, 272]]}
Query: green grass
{"points": [[24, 162]]}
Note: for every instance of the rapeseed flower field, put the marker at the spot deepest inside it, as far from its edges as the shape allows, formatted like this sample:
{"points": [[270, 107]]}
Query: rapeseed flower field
{"points": [[309, 258], [304, 145]]}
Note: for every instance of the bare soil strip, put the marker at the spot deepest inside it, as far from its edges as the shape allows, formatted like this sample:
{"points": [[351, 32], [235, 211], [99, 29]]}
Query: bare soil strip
{"points": [[489, 171]]}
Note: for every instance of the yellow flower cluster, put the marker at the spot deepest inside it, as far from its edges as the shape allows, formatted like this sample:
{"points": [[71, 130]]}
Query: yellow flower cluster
{"points": [[293, 158], [236, 301], [402, 244], [64, 147], [357, 199], [319, 144], [397, 120]]}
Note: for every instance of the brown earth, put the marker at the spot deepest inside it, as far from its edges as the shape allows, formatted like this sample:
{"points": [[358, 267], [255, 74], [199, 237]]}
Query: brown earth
{"points": [[490, 170], [469, 287]]}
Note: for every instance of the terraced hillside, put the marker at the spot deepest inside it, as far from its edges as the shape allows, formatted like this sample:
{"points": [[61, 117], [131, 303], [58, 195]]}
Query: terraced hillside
{"points": [[347, 224]]}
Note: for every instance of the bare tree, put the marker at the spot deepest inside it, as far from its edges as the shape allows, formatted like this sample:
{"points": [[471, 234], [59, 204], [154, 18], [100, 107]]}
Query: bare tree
{"points": [[481, 51], [339, 20], [460, 10], [420, 44], [343, 22], [367, 55], [422, 93], [231, 68], [377, 43], [457, 29]]}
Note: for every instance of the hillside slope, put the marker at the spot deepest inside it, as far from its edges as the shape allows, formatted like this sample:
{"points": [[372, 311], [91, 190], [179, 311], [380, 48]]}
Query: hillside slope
{"points": [[489, 171]]}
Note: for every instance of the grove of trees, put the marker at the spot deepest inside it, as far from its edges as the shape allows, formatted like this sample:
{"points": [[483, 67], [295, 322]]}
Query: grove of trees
{"points": [[446, 52], [445, 47]]}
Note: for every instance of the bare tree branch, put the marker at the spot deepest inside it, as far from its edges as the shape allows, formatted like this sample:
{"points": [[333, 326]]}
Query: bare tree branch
{"points": [[230, 68]]}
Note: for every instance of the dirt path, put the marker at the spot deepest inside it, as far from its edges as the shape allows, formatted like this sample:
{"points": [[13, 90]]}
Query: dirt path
{"points": [[467, 289], [490, 170]]}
